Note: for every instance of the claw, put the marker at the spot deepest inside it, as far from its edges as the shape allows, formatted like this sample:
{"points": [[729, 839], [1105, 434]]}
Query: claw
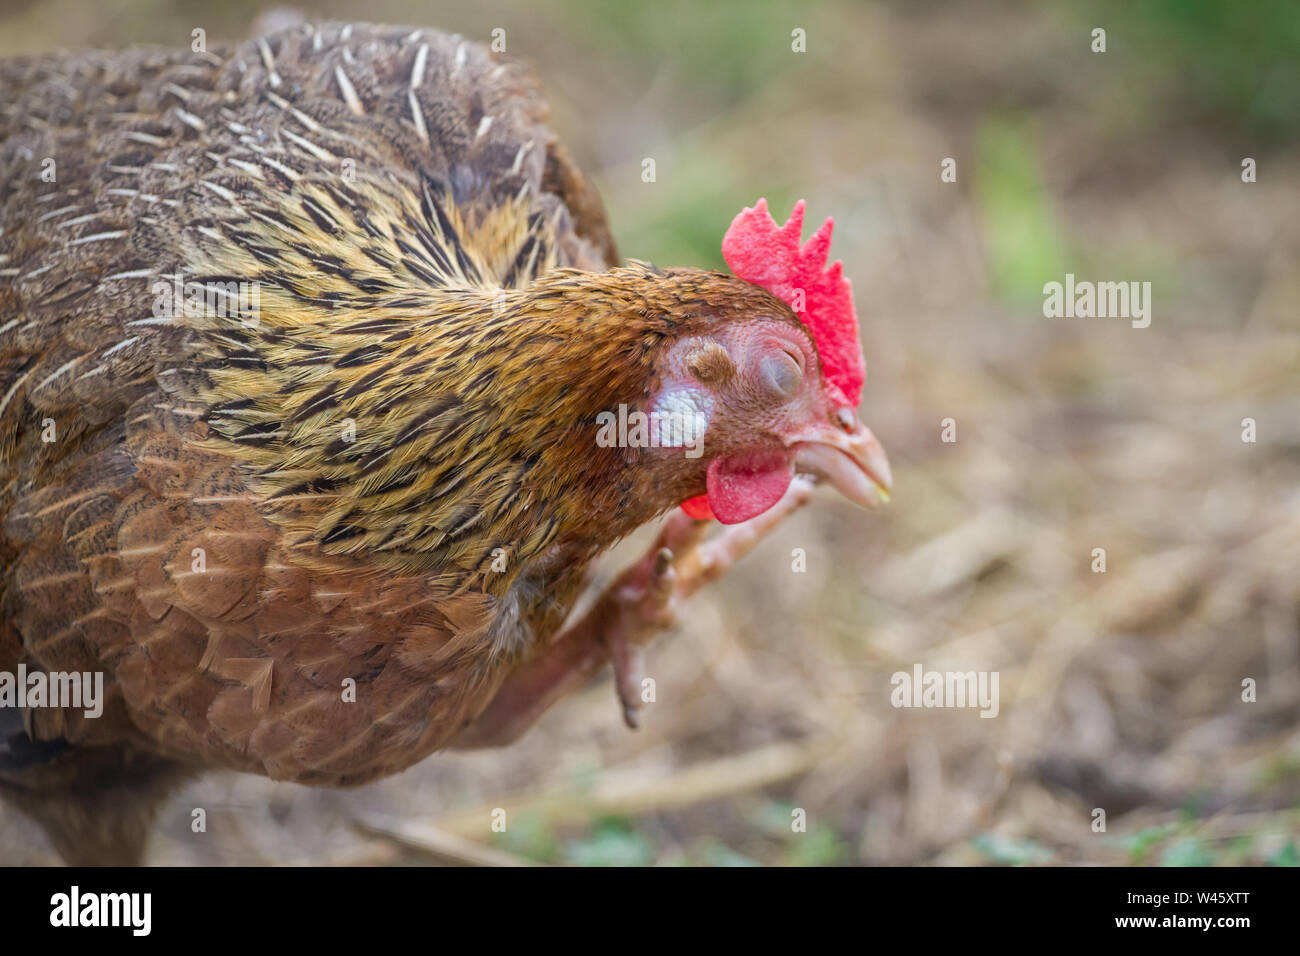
{"points": [[642, 610], [658, 607], [628, 661], [663, 561]]}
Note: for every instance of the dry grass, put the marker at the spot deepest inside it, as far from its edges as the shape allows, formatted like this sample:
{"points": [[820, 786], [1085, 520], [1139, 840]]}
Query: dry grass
{"points": [[1119, 691]]}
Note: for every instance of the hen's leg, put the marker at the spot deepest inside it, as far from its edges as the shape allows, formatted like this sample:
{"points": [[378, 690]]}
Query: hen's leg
{"points": [[640, 602]]}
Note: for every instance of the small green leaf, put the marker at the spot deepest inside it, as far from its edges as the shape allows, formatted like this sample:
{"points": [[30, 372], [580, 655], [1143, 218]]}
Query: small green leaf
{"points": [[531, 837], [1014, 852], [715, 854], [1186, 851], [611, 843], [820, 846], [1141, 843], [1288, 855]]}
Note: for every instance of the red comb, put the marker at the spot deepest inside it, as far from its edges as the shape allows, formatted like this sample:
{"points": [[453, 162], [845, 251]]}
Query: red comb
{"points": [[768, 255]]}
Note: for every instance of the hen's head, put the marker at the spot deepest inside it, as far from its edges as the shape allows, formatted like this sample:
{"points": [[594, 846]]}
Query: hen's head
{"points": [[770, 396]]}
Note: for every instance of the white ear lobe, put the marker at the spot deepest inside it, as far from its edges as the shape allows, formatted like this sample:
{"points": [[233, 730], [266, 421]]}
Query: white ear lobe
{"points": [[680, 416]]}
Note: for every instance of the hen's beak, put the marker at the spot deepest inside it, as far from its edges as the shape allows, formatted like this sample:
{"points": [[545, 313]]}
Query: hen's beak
{"points": [[852, 462]]}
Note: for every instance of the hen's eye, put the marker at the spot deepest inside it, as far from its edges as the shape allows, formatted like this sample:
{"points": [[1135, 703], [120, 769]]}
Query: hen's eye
{"points": [[780, 373]]}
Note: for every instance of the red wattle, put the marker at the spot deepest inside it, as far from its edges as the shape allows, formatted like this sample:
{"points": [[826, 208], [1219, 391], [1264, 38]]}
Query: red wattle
{"points": [[698, 508], [744, 485]]}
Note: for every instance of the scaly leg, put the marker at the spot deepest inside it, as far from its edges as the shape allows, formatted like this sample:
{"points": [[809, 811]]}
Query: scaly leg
{"points": [[639, 603]]}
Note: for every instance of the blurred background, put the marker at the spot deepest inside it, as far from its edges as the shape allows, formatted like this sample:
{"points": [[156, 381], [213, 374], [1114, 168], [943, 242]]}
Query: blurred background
{"points": [[1121, 690]]}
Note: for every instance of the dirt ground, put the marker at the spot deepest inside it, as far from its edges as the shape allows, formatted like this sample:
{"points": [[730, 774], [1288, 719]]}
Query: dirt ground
{"points": [[1120, 691]]}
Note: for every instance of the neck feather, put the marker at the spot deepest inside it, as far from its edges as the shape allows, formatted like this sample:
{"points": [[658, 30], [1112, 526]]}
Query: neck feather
{"points": [[427, 429]]}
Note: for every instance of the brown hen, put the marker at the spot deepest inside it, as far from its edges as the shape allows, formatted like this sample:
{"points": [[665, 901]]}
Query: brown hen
{"points": [[302, 346]]}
